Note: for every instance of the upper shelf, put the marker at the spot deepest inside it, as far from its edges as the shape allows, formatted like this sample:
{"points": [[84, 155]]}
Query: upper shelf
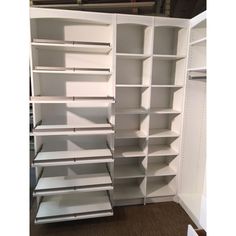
{"points": [[168, 57], [132, 56], [59, 158], [120, 134], [85, 100], [78, 46], [69, 70], [199, 42]]}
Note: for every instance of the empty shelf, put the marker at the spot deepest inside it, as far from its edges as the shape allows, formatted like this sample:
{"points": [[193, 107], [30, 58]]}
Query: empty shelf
{"points": [[128, 171], [80, 126], [167, 86], [158, 189], [130, 111], [73, 207], [168, 57], [198, 69], [132, 56], [199, 42], [164, 111], [65, 70], [73, 157], [160, 169], [161, 133], [120, 134], [90, 181], [82, 100], [83, 47], [129, 151], [127, 191], [131, 86], [161, 150]]}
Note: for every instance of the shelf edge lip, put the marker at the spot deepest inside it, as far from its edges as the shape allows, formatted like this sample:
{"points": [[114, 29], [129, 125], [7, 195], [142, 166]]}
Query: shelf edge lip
{"points": [[166, 56], [195, 42]]}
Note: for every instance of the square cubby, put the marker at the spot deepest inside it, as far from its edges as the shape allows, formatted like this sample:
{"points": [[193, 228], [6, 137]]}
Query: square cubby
{"points": [[133, 38], [129, 167], [167, 40]]}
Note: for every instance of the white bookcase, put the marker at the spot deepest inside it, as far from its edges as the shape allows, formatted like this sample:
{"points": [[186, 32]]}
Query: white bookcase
{"points": [[108, 93]]}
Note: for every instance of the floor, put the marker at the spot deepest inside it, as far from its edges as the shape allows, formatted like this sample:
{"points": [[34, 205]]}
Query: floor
{"points": [[159, 219]]}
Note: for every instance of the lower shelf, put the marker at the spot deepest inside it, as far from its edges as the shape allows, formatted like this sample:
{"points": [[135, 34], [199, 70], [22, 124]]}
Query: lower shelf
{"points": [[120, 134], [157, 187], [127, 189], [129, 151], [73, 207], [73, 179]]}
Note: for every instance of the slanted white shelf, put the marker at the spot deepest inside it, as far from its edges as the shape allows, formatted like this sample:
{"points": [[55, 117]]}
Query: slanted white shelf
{"points": [[85, 179], [128, 151], [73, 207], [162, 150]]}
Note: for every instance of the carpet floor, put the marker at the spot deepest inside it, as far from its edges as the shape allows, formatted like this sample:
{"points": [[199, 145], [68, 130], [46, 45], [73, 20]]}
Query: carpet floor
{"points": [[158, 219]]}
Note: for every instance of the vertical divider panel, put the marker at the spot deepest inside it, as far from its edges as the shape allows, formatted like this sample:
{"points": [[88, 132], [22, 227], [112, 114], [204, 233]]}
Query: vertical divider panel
{"points": [[147, 74], [179, 100], [111, 108]]}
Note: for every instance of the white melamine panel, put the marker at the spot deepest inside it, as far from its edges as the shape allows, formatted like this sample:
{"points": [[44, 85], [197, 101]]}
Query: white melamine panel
{"points": [[128, 189], [75, 204], [197, 56]]}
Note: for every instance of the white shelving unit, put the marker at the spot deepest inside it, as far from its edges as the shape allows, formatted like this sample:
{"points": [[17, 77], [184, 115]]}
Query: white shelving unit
{"points": [[107, 94]]}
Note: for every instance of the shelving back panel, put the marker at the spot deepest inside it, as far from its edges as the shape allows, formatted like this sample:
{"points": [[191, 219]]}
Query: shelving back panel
{"points": [[75, 85], [73, 114], [72, 143]]}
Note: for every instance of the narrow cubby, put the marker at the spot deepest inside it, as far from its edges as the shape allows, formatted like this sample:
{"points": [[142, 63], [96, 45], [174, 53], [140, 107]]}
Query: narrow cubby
{"points": [[138, 98], [160, 186], [131, 126], [131, 188], [164, 125], [168, 72], [167, 40], [166, 98], [129, 167], [134, 39], [163, 146], [130, 148], [161, 166], [133, 72]]}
